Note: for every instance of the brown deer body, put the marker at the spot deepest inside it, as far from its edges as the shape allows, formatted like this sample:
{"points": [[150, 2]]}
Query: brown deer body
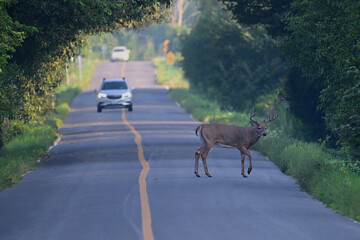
{"points": [[234, 136]]}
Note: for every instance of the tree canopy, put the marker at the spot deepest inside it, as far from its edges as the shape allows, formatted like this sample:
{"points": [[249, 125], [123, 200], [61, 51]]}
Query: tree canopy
{"points": [[37, 36], [260, 12], [230, 63], [324, 43], [320, 39]]}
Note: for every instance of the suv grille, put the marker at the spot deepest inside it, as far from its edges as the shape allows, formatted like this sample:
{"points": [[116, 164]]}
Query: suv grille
{"points": [[114, 96]]}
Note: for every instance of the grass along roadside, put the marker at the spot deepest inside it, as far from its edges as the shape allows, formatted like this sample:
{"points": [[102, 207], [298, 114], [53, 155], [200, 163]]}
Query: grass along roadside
{"points": [[324, 174], [28, 142]]}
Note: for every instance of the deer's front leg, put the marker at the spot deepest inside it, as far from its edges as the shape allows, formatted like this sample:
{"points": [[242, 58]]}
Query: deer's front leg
{"points": [[247, 153], [242, 165]]}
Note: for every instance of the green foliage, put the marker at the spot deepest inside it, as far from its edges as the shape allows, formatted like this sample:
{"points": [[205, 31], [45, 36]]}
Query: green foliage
{"points": [[40, 36], [340, 190], [149, 52], [27, 141], [205, 110], [11, 35], [67, 94], [319, 171], [205, 5], [273, 147], [21, 153], [55, 119], [230, 64], [15, 128], [321, 40], [171, 76], [305, 161], [328, 52], [200, 107], [302, 94], [263, 12]]}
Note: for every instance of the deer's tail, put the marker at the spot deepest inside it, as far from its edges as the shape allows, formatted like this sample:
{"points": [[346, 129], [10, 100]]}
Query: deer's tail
{"points": [[197, 129]]}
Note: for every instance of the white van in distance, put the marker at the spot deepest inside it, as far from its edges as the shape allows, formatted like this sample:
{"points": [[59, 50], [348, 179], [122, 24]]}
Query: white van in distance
{"points": [[120, 53]]}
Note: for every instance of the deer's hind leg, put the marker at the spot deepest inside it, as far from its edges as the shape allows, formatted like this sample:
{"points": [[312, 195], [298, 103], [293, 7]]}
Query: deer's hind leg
{"points": [[197, 156], [203, 157], [203, 151]]}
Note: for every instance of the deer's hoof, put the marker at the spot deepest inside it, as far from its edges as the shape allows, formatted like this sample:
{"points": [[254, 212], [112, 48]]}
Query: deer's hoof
{"points": [[208, 174], [197, 174], [244, 175], [249, 171]]}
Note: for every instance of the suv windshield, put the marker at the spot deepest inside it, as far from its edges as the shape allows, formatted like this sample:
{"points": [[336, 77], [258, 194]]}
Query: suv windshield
{"points": [[113, 85]]}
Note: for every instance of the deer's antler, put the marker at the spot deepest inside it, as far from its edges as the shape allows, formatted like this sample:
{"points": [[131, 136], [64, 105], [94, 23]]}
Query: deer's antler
{"points": [[252, 113], [271, 117]]}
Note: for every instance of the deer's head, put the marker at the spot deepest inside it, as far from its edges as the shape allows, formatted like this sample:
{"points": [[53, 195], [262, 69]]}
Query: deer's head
{"points": [[261, 127]]}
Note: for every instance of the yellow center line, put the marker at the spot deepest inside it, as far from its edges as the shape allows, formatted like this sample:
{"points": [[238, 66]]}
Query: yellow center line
{"points": [[123, 69], [145, 207]]}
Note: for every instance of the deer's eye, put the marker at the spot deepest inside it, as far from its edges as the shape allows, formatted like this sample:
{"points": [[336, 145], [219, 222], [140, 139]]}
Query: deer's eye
{"points": [[259, 128]]}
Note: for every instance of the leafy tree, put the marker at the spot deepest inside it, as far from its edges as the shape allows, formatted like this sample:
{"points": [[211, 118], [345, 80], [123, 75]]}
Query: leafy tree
{"points": [[230, 63], [260, 12], [37, 36], [320, 39], [206, 5], [134, 47], [11, 35], [302, 94], [324, 43], [149, 52]]}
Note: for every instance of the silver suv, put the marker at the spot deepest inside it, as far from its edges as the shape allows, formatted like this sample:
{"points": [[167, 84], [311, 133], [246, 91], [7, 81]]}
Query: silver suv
{"points": [[114, 93]]}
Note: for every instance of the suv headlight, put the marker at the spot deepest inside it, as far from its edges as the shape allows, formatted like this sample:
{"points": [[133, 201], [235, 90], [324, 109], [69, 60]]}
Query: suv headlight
{"points": [[127, 94], [102, 95]]}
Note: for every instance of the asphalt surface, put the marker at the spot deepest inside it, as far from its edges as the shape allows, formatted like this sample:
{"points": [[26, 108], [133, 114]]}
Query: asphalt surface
{"points": [[89, 187]]}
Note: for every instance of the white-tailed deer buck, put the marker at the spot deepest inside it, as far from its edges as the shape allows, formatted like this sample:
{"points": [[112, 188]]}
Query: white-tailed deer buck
{"points": [[240, 137]]}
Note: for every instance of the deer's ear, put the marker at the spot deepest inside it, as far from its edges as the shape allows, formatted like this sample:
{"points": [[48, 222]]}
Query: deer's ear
{"points": [[253, 124]]}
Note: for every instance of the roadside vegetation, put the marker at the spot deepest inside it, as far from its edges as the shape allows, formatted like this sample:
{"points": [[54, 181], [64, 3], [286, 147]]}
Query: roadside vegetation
{"points": [[37, 40], [325, 174], [26, 142], [198, 106]]}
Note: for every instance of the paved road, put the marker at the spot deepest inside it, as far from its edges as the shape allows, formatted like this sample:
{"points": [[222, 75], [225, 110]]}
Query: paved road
{"points": [[90, 188]]}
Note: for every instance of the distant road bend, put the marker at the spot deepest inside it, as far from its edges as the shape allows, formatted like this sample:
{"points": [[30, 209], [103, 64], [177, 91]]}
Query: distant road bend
{"points": [[130, 175]]}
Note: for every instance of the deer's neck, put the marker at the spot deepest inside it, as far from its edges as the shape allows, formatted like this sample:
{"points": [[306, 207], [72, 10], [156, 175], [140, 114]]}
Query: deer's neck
{"points": [[255, 136]]}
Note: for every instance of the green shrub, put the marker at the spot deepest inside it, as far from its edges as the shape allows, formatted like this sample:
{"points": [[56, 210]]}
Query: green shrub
{"points": [[67, 94], [273, 146], [305, 160], [340, 190], [172, 76], [231, 64], [27, 142], [16, 127], [62, 110], [19, 154]]}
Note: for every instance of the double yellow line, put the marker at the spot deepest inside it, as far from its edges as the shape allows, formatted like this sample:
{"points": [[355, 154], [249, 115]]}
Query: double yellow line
{"points": [[145, 207], [123, 69]]}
